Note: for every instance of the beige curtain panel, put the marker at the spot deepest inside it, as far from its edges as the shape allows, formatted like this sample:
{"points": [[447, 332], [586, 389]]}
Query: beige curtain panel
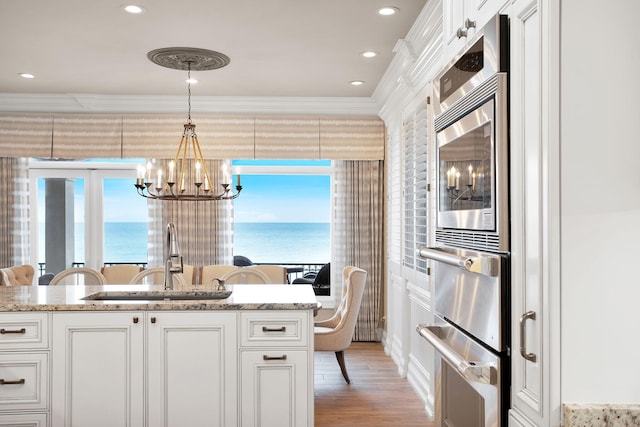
{"points": [[74, 136], [14, 212], [358, 237]]}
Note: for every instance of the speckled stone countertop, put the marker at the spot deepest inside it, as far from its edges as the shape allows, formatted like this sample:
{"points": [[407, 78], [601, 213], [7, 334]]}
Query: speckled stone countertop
{"points": [[600, 415], [70, 298]]}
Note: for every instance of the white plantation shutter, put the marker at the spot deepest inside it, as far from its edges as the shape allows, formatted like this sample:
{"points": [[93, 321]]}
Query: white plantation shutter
{"points": [[394, 223], [415, 138]]}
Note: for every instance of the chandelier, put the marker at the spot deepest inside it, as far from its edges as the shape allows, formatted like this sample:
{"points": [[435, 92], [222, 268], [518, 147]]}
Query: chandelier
{"points": [[180, 181]]}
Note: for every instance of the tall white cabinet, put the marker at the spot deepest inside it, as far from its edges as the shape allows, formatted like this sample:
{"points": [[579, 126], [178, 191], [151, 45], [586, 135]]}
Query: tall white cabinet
{"points": [[534, 214]]}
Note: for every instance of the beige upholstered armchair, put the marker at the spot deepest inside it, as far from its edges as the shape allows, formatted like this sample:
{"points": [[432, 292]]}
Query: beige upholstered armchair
{"points": [[17, 275], [120, 274], [335, 334]]}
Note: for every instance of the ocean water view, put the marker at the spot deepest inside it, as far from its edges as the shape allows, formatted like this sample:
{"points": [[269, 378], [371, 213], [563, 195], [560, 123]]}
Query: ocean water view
{"points": [[261, 242]]}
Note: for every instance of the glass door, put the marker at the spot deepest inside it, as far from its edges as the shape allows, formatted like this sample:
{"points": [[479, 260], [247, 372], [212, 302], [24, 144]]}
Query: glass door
{"points": [[60, 212]]}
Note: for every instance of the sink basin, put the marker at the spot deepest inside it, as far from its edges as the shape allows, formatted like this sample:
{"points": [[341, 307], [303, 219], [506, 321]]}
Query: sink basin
{"points": [[158, 295]]}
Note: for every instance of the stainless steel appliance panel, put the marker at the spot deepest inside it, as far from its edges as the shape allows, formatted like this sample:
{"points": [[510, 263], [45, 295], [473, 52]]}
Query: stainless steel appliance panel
{"points": [[470, 292], [469, 386]]}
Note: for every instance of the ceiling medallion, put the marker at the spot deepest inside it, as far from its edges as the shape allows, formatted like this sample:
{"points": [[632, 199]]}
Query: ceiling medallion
{"points": [[185, 58]]}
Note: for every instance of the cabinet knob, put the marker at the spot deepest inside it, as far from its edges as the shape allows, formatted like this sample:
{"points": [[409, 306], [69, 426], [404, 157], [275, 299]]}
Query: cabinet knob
{"points": [[468, 23], [153, 320], [135, 319], [461, 32]]}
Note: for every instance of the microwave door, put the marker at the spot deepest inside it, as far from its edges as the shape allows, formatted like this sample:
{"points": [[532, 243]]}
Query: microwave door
{"points": [[466, 193]]}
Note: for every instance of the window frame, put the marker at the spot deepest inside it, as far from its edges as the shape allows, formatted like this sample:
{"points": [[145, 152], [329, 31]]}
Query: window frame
{"points": [[94, 174]]}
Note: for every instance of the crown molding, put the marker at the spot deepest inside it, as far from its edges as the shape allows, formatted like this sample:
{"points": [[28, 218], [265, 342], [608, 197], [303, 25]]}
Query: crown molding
{"points": [[94, 103]]}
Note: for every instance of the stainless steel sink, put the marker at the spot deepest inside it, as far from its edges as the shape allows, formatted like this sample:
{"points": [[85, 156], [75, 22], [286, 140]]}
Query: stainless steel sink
{"points": [[158, 295]]}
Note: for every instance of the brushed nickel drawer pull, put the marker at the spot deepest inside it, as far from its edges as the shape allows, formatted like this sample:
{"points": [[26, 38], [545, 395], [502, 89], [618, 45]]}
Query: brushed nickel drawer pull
{"points": [[265, 357], [9, 382], [4, 331], [523, 336], [280, 329]]}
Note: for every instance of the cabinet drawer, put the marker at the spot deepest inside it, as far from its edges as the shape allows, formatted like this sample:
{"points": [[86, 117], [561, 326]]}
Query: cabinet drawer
{"points": [[23, 420], [24, 331], [24, 381], [275, 328]]}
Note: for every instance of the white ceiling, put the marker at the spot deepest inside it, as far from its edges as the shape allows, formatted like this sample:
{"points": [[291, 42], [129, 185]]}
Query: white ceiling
{"points": [[278, 48]]}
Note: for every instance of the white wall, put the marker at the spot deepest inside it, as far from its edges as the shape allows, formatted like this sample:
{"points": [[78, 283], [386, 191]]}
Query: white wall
{"points": [[600, 207]]}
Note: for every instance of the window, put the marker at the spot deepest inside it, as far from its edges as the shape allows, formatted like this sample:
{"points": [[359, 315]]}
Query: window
{"points": [[86, 213], [283, 215]]}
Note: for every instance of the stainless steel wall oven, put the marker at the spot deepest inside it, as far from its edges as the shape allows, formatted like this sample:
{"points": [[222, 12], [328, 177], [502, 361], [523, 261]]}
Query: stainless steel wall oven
{"points": [[472, 144], [471, 333]]}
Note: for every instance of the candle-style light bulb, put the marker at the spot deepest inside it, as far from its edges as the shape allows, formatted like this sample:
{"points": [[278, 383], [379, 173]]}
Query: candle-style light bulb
{"points": [[224, 174], [198, 173], [159, 182], [470, 175], [172, 166], [149, 167], [457, 180]]}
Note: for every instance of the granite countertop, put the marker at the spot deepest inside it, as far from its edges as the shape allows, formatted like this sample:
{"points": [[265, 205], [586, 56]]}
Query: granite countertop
{"points": [[70, 298]]}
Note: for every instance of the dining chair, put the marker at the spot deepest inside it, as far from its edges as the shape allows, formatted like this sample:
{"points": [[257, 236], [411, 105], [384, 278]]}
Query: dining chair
{"points": [[155, 276], [78, 276], [214, 271], [275, 273], [245, 276], [120, 274], [18, 275], [335, 334], [188, 274]]}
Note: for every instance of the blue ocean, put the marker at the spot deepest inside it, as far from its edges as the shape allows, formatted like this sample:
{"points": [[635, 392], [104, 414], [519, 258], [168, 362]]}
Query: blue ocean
{"points": [[270, 242]]}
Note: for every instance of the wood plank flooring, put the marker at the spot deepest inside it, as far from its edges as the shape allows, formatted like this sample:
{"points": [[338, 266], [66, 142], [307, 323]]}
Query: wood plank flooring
{"points": [[377, 395]]}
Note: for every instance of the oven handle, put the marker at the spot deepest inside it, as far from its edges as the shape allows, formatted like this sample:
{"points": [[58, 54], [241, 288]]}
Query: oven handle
{"points": [[472, 371], [485, 265]]}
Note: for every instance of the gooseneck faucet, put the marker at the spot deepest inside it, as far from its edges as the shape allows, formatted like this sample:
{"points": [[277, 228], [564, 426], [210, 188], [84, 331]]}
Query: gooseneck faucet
{"points": [[172, 256]]}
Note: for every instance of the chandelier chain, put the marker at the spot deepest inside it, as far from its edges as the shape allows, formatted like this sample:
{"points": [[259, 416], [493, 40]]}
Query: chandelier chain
{"points": [[189, 92]]}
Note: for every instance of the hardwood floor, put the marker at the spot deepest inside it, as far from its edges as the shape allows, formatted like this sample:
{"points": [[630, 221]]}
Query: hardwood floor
{"points": [[377, 395]]}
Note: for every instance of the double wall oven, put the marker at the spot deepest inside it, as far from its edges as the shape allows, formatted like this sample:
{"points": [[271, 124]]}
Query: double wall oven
{"points": [[471, 333]]}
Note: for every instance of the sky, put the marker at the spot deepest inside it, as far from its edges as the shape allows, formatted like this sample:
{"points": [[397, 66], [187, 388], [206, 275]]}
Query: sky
{"points": [[264, 198]]}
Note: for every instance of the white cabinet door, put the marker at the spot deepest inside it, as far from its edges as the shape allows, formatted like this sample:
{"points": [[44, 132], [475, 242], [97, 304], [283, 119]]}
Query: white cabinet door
{"points": [[192, 369], [461, 20], [458, 16], [534, 208], [98, 369], [274, 388]]}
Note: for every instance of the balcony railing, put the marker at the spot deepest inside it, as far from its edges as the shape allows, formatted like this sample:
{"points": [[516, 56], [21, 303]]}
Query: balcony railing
{"points": [[294, 270]]}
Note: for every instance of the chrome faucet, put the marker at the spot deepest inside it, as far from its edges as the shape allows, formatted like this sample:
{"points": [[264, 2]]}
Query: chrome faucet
{"points": [[220, 286], [172, 257]]}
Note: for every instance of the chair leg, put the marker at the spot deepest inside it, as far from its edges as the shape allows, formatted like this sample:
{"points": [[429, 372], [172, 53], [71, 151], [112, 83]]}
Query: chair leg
{"points": [[343, 368]]}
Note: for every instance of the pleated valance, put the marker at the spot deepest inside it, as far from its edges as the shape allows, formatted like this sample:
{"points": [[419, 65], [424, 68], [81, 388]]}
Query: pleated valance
{"points": [[97, 135]]}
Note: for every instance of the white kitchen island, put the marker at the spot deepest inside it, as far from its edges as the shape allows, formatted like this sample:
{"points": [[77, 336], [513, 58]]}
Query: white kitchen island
{"points": [[245, 360]]}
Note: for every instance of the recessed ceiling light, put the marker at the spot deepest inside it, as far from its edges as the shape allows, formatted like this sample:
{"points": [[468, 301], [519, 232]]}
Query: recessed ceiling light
{"points": [[369, 54], [388, 10], [132, 8], [356, 83], [27, 75]]}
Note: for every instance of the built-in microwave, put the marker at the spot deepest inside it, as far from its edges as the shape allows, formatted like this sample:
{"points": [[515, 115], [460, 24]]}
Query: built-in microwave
{"points": [[472, 133]]}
